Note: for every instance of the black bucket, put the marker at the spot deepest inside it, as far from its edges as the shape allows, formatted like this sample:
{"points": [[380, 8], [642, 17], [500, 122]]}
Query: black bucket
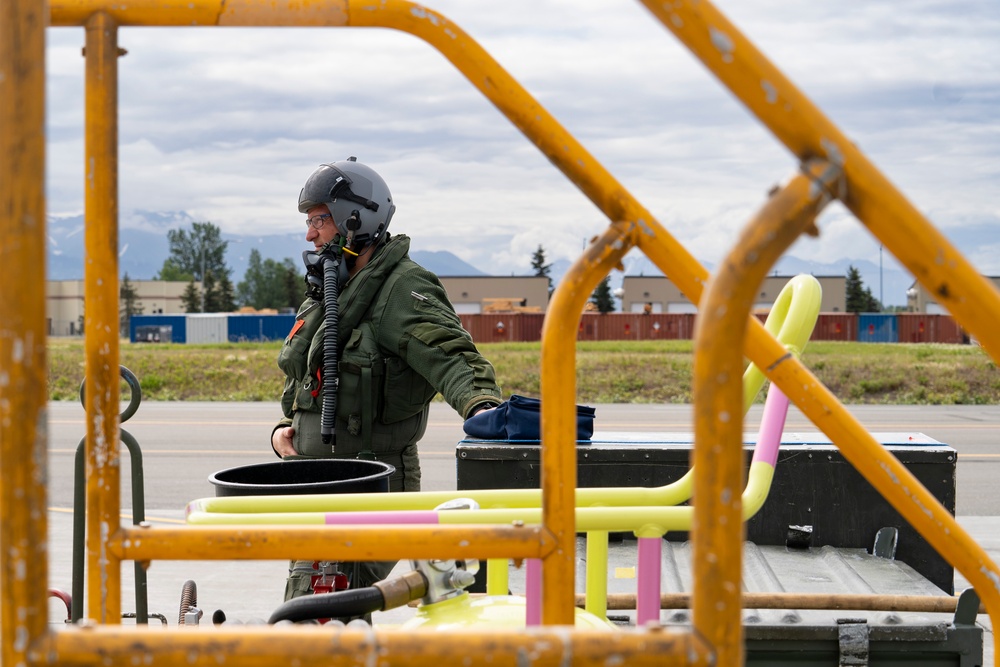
{"points": [[302, 476]]}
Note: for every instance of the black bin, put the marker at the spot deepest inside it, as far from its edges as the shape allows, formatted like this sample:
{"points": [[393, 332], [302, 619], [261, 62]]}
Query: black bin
{"points": [[303, 476]]}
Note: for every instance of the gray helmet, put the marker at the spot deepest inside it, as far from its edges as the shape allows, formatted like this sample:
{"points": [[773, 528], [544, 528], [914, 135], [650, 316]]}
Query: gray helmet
{"points": [[357, 197]]}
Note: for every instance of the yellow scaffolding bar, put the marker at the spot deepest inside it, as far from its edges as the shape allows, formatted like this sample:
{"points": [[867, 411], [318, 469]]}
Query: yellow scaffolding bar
{"points": [[23, 439], [101, 319], [717, 531], [974, 302]]}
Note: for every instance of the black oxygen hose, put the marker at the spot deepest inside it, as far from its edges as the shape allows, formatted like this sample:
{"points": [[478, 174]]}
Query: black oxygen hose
{"points": [[341, 604], [331, 295], [380, 596]]}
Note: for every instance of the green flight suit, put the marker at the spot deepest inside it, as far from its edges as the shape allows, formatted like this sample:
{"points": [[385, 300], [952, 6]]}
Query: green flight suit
{"points": [[400, 344]]}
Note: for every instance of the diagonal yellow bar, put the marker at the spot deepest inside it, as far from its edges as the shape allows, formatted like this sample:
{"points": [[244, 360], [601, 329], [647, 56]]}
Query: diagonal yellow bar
{"points": [[896, 484], [808, 133], [717, 531]]}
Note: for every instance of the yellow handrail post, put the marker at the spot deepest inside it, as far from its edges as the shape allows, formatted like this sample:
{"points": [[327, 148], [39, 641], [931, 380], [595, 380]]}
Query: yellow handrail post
{"points": [[558, 455], [717, 530], [23, 437], [101, 317]]}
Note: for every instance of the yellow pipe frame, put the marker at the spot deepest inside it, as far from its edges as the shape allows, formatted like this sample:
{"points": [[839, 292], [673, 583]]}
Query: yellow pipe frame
{"points": [[717, 530], [558, 418], [343, 543], [875, 201], [316, 647], [795, 121], [23, 419], [101, 318]]}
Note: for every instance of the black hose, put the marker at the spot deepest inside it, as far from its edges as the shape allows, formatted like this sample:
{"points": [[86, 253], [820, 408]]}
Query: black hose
{"points": [[341, 604], [331, 294], [189, 599]]}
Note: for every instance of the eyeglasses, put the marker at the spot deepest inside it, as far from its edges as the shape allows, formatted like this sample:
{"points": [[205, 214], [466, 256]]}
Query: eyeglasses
{"points": [[317, 221]]}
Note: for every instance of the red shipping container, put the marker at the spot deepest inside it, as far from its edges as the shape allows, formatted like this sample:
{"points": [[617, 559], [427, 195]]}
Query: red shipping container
{"points": [[667, 326], [917, 327], [588, 329], [835, 326], [949, 331], [927, 328]]}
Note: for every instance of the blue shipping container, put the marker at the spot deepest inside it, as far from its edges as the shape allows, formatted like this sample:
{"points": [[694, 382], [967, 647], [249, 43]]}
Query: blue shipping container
{"points": [[158, 329], [259, 328], [878, 328]]}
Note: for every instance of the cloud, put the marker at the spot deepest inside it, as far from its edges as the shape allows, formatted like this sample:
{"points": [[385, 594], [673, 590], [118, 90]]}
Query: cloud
{"points": [[226, 123]]}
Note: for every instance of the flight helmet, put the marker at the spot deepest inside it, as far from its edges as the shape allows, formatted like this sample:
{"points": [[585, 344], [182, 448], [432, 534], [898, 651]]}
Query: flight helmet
{"points": [[358, 199]]}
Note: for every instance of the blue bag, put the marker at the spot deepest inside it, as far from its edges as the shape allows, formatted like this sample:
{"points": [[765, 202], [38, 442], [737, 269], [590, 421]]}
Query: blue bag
{"points": [[519, 418]]}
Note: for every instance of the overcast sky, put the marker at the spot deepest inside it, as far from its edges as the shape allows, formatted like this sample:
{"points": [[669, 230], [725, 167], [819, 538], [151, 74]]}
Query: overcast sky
{"points": [[227, 123]]}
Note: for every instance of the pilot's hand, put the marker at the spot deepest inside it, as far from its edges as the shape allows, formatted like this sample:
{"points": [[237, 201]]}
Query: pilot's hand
{"points": [[281, 441]]}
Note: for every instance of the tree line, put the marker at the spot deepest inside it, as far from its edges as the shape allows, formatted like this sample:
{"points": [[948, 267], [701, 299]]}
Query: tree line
{"points": [[198, 256]]}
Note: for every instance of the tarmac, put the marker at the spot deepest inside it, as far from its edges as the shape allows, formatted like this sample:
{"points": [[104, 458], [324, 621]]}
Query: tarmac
{"points": [[249, 591]]}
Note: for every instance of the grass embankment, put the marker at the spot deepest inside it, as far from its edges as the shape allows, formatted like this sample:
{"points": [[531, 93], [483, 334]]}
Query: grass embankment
{"points": [[607, 372]]}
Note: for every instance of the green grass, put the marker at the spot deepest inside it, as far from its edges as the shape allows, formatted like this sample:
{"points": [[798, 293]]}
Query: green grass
{"points": [[607, 372]]}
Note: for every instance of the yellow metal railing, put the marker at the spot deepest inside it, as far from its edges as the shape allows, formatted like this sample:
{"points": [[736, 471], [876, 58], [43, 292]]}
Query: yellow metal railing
{"points": [[646, 512], [716, 635], [973, 300], [717, 538]]}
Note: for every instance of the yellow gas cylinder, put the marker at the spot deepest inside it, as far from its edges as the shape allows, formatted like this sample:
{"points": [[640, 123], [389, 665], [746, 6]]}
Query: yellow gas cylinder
{"points": [[487, 611]]}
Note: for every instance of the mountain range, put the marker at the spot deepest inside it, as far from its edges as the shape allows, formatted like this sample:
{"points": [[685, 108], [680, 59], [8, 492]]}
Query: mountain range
{"points": [[143, 247]]}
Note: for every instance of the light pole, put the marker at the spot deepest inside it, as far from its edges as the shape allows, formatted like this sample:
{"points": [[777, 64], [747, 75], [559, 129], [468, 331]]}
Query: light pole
{"points": [[203, 276], [881, 301]]}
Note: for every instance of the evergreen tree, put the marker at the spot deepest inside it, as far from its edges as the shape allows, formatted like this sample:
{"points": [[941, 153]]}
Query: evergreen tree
{"points": [[540, 267], [248, 288], [268, 283], [226, 296], [129, 305], [872, 305], [602, 297], [294, 285], [221, 297], [209, 293], [859, 297], [191, 298]]}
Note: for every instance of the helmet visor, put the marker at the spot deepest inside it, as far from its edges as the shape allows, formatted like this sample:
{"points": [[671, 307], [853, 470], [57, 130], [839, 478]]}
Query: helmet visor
{"points": [[323, 186]]}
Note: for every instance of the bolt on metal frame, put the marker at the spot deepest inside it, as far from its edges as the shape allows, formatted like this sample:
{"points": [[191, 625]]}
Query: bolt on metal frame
{"points": [[716, 633]]}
